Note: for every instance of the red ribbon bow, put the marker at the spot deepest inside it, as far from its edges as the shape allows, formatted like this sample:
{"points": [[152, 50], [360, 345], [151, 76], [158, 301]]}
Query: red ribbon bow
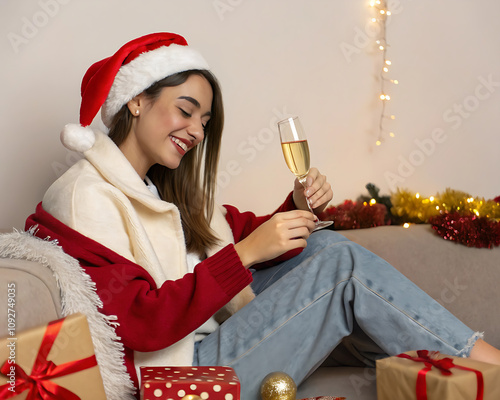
{"points": [[38, 383], [444, 365]]}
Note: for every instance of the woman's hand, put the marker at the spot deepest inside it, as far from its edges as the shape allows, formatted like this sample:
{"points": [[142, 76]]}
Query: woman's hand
{"points": [[283, 232], [318, 191]]}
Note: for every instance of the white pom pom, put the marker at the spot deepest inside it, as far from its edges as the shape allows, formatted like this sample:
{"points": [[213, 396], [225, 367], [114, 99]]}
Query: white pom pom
{"points": [[77, 138]]}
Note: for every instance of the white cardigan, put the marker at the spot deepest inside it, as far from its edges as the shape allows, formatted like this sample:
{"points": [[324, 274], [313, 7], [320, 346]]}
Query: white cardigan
{"points": [[104, 198]]}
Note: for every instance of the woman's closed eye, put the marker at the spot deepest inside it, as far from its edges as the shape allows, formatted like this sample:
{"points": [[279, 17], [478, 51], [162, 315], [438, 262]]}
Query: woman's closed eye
{"points": [[184, 112], [188, 115]]}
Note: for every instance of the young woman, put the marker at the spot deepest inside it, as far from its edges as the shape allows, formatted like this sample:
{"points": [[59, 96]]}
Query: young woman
{"points": [[138, 213]]}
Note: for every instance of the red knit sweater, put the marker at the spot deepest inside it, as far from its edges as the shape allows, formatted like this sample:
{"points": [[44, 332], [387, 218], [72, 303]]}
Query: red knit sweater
{"points": [[151, 317]]}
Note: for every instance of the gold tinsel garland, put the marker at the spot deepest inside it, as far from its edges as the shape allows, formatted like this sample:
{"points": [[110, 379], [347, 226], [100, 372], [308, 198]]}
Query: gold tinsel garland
{"points": [[454, 215], [412, 207], [404, 206]]}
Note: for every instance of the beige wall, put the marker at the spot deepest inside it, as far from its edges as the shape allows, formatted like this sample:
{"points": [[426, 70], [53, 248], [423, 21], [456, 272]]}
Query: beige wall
{"points": [[273, 57]]}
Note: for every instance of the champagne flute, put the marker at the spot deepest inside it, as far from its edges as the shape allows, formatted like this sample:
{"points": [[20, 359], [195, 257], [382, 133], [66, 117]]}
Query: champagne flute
{"points": [[296, 152]]}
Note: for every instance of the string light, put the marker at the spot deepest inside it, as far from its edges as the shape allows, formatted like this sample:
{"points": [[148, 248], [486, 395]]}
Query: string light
{"points": [[380, 14]]}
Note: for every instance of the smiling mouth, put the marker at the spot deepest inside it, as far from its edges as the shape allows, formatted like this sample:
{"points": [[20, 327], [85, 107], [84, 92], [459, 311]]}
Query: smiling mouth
{"points": [[182, 145]]}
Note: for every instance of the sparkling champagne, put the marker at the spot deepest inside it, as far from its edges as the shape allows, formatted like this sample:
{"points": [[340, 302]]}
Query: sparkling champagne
{"points": [[297, 157]]}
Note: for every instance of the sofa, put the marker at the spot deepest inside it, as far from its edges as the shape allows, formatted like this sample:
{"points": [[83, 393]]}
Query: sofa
{"points": [[464, 280]]}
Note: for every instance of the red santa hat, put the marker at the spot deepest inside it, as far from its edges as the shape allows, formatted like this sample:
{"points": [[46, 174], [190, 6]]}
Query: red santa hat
{"points": [[110, 83]]}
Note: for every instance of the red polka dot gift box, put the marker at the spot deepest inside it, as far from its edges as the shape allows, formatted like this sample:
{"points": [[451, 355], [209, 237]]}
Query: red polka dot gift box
{"points": [[176, 383]]}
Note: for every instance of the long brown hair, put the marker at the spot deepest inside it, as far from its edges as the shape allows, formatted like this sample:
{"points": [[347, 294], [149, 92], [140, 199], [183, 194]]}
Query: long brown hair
{"points": [[191, 186]]}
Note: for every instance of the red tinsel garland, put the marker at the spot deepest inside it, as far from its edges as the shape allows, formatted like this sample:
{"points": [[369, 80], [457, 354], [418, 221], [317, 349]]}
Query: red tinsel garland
{"points": [[469, 230], [461, 227], [355, 215]]}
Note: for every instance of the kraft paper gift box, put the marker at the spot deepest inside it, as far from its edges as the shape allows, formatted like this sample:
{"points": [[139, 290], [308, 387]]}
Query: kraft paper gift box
{"points": [[56, 360], [434, 376], [213, 383]]}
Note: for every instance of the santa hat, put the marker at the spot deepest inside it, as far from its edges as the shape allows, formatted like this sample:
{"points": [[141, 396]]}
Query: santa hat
{"points": [[110, 83]]}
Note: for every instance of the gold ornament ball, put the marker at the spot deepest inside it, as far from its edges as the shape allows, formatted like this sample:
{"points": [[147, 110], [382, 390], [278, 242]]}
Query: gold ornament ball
{"points": [[191, 397], [278, 386]]}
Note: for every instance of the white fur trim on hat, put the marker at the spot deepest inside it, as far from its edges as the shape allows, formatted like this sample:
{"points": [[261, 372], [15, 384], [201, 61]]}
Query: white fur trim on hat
{"points": [[77, 138], [150, 67]]}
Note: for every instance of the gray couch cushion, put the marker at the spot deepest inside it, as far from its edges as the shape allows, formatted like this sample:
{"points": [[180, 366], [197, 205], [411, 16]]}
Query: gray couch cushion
{"points": [[463, 279]]}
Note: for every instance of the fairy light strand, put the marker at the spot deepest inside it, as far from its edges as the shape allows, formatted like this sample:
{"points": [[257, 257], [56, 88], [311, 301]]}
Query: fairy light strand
{"points": [[380, 14]]}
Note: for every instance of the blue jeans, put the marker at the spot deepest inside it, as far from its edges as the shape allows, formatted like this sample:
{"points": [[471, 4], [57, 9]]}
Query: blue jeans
{"points": [[335, 294]]}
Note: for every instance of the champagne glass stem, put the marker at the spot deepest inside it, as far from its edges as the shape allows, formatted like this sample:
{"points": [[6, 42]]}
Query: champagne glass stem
{"points": [[319, 224], [303, 183]]}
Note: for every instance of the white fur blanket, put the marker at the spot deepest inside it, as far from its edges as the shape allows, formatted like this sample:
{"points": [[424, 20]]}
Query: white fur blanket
{"points": [[78, 294]]}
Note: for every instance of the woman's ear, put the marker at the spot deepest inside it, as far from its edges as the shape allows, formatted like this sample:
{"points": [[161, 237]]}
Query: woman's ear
{"points": [[134, 105]]}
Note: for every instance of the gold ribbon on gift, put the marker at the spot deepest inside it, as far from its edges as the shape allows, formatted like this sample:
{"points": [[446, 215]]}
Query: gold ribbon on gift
{"points": [[38, 382], [444, 365]]}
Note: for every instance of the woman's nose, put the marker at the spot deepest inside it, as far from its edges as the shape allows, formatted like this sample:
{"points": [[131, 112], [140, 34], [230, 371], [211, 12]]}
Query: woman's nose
{"points": [[196, 131]]}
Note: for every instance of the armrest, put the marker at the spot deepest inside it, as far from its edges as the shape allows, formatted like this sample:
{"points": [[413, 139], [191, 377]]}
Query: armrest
{"points": [[36, 294]]}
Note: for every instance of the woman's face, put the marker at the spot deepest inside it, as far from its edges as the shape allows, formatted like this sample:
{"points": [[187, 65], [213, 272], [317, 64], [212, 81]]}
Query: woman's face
{"points": [[167, 128]]}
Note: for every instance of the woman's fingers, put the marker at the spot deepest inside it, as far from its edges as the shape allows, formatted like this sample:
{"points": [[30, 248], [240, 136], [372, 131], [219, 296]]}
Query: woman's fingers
{"points": [[318, 191], [283, 232]]}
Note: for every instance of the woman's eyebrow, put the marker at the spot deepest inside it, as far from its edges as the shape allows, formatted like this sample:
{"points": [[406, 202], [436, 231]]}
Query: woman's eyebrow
{"points": [[193, 101]]}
